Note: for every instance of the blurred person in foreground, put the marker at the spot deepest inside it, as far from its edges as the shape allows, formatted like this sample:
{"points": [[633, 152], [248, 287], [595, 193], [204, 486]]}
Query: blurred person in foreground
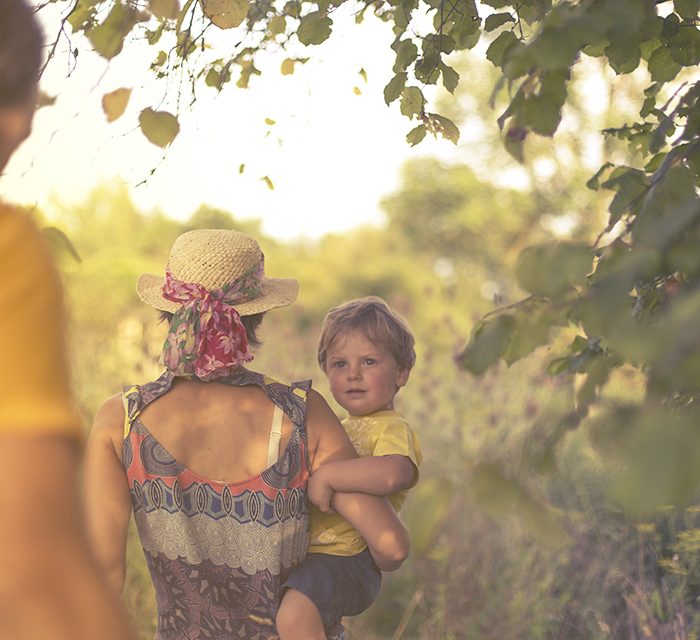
{"points": [[50, 588], [213, 459]]}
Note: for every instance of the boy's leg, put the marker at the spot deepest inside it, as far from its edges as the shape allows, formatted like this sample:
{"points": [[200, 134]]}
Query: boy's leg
{"points": [[332, 587], [298, 618]]}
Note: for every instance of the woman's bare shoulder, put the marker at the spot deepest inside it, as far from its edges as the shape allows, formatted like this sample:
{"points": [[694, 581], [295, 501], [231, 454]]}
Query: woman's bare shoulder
{"points": [[109, 418]]}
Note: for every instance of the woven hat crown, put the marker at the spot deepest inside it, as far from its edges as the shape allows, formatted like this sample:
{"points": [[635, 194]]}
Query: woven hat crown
{"points": [[213, 257]]}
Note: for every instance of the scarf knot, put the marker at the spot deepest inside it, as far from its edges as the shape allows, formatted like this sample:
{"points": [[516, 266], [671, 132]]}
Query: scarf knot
{"points": [[206, 338]]}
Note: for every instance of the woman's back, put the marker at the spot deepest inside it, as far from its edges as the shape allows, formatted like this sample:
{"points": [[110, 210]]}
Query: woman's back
{"points": [[220, 527], [219, 431]]}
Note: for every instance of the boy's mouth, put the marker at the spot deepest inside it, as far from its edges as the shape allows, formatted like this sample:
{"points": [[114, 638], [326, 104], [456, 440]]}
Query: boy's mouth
{"points": [[354, 392]]}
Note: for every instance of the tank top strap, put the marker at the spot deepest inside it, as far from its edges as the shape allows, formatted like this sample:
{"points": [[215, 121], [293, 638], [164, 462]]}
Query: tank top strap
{"points": [[273, 447], [136, 397]]}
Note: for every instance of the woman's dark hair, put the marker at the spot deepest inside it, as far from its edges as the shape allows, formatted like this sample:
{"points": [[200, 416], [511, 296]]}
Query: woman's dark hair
{"points": [[251, 324], [20, 52]]}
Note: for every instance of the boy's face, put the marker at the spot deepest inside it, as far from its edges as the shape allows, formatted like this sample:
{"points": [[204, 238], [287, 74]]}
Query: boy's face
{"points": [[364, 376]]}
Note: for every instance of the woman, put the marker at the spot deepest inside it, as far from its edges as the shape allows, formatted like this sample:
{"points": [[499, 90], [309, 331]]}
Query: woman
{"points": [[214, 458]]}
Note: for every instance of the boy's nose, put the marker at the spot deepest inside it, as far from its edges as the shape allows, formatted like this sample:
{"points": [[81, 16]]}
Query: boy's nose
{"points": [[354, 373]]}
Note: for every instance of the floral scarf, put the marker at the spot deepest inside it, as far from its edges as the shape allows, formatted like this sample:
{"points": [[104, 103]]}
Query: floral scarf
{"points": [[206, 338]]}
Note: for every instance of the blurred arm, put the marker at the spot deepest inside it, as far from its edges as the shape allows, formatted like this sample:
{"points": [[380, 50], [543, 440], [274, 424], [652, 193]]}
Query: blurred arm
{"points": [[49, 585]]}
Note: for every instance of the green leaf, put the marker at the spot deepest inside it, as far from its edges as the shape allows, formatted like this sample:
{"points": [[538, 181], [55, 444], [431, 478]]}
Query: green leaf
{"points": [[623, 55], [114, 103], [82, 15], [443, 126], [43, 99], [685, 47], [277, 25], [160, 60], [498, 48], [314, 28], [427, 69], [287, 67], [159, 127], [630, 185], [648, 106], [450, 78], [406, 53], [108, 38], [363, 74], [225, 14], [415, 135], [427, 512], [594, 182], [559, 366], [501, 497], [165, 9], [687, 9], [514, 142], [488, 342], [553, 49], [396, 85], [412, 102], [496, 20], [268, 182], [662, 66], [660, 457], [60, 242], [551, 270], [241, 168], [534, 320]]}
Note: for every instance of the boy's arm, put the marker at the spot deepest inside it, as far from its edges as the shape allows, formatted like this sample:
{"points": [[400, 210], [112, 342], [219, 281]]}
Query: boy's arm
{"points": [[377, 522], [374, 475]]}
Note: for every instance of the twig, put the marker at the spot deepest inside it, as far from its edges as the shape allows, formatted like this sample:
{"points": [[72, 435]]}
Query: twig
{"points": [[406, 617], [61, 31]]}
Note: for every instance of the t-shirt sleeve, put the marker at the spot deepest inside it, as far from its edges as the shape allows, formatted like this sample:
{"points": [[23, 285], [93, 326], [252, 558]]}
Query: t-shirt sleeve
{"points": [[397, 438], [34, 383]]}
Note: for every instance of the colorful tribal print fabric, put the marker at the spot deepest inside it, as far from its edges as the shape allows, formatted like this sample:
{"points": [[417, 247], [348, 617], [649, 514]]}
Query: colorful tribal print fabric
{"points": [[218, 552]]}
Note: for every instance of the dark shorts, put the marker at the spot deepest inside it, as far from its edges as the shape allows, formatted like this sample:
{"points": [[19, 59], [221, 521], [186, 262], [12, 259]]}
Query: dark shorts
{"points": [[338, 585]]}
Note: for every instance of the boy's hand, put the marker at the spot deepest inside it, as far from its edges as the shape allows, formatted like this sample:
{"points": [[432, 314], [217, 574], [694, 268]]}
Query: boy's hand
{"points": [[320, 492]]}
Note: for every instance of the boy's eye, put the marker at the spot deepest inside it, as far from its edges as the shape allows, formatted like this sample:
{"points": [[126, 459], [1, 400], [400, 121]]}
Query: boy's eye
{"points": [[370, 361], [339, 363]]}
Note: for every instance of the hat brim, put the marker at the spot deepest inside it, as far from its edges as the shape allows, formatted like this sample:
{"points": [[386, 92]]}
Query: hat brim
{"points": [[276, 292]]}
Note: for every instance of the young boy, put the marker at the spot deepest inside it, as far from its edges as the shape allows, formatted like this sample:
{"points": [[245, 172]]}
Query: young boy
{"points": [[366, 351]]}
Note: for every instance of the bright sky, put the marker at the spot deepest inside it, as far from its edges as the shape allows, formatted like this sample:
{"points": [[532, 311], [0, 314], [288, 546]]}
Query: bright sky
{"points": [[331, 154]]}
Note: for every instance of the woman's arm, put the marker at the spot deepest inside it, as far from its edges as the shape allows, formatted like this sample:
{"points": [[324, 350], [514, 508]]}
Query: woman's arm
{"points": [[107, 497], [328, 441]]}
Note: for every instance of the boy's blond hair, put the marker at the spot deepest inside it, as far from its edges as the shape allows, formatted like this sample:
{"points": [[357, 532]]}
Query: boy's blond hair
{"points": [[377, 321]]}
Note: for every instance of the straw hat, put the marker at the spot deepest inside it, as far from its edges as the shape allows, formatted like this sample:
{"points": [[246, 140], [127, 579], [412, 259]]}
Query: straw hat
{"points": [[213, 258]]}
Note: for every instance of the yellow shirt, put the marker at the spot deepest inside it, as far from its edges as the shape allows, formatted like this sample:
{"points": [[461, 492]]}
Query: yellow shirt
{"points": [[381, 433], [34, 385]]}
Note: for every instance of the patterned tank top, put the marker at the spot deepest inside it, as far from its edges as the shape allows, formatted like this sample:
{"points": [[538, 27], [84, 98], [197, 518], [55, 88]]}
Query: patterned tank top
{"points": [[218, 552]]}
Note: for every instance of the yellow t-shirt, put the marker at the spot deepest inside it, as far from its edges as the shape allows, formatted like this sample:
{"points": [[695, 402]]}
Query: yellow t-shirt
{"points": [[34, 385], [381, 433]]}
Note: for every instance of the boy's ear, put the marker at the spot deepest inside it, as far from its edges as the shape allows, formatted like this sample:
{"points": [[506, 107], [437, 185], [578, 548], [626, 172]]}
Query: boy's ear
{"points": [[402, 377]]}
